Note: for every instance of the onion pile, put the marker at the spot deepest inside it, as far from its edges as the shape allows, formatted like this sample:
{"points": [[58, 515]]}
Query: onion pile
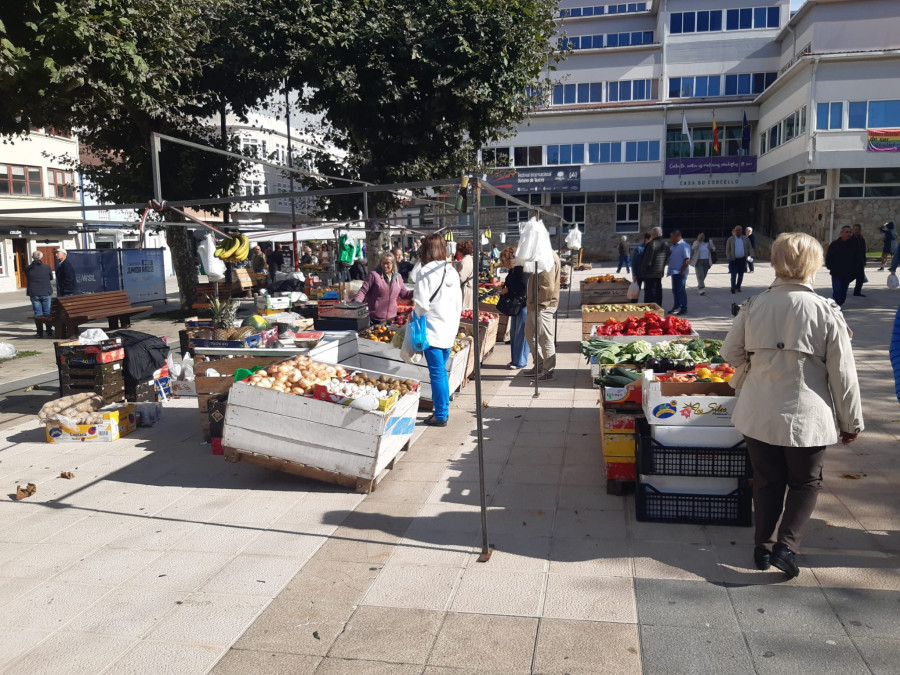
{"points": [[296, 376]]}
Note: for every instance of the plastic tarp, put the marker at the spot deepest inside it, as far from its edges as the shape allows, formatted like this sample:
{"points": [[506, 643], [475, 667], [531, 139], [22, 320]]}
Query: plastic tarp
{"points": [[534, 249]]}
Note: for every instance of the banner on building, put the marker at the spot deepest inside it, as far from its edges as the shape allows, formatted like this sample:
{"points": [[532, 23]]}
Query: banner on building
{"points": [[698, 165], [537, 179], [884, 140]]}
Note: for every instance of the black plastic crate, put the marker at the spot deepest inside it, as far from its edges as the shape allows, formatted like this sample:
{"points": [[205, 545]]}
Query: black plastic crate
{"points": [[656, 459], [734, 509]]}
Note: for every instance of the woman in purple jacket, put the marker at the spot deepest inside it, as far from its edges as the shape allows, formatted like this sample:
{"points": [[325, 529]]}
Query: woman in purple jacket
{"points": [[381, 289]]}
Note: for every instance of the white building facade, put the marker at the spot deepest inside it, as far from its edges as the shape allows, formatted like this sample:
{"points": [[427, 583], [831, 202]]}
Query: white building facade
{"points": [[792, 101]]}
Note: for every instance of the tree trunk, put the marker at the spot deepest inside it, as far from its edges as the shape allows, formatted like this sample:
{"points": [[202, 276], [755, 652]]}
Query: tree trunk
{"points": [[180, 245], [378, 242]]}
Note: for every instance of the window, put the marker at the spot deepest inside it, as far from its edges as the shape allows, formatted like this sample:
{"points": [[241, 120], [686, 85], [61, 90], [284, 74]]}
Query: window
{"points": [[62, 183], [743, 84], [860, 115], [572, 206], [829, 116], [701, 86], [790, 190], [628, 212], [884, 114], [565, 154], [748, 18], [495, 157], [528, 155], [577, 42], [25, 181], [630, 90], [517, 214], [600, 10], [642, 151], [869, 183], [699, 22], [586, 92], [605, 153], [856, 116]]}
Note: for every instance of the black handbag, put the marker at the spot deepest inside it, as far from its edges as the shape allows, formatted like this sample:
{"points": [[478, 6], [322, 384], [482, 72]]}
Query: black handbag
{"points": [[511, 305]]}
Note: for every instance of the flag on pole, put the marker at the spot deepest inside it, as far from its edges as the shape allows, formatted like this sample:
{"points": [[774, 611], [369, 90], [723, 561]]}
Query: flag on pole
{"points": [[685, 131], [745, 136], [716, 148]]}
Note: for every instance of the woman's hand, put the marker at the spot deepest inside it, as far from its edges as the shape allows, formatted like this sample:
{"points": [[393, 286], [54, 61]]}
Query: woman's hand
{"points": [[504, 290], [847, 438]]}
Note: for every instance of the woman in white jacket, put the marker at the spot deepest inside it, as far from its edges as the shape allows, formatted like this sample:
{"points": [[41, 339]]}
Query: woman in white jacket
{"points": [[438, 297]]}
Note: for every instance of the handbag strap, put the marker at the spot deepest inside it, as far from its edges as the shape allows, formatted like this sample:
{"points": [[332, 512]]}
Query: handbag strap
{"points": [[440, 285]]}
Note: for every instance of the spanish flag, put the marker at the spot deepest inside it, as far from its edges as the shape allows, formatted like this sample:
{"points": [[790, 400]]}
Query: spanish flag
{"points": [[717, 150]]}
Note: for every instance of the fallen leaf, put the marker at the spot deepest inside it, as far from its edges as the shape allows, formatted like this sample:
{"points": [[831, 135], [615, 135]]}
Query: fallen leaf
{"points": [[851, 476], [27, 491], [67, 474], [316, 635]]}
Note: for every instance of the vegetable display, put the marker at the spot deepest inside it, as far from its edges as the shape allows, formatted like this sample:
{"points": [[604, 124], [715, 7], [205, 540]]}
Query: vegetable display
{"points": [[649, 324], [484, 318], [639, 352], [605, 279], [617, 377]]}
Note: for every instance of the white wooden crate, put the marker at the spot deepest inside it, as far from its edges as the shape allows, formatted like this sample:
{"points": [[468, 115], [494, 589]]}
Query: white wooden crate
{"points": [[384, 359]]}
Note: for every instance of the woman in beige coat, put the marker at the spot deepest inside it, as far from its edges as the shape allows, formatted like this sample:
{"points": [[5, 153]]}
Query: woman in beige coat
{"points": [[465, 267], [800, 390]]}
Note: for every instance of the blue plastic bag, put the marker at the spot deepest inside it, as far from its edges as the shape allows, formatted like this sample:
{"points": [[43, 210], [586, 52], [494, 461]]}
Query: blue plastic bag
{"points": [[418, 330]]}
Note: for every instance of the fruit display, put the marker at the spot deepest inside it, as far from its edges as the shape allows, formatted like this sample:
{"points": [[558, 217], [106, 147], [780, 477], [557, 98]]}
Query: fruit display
{"points": [[615, 308], [223, 313], [649, 324], [459, 344], [384, 383], [233, 249], [257, 322], [484, 318], [605, 279], [77, 408], [297, 376], [490, 299], [378, 334]]}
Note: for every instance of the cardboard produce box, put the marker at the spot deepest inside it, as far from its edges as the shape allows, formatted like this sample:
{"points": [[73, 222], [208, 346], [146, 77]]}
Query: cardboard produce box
{"points": [[115, 425], [619, 447], [590, 319], [687, 403], [612, 422]]}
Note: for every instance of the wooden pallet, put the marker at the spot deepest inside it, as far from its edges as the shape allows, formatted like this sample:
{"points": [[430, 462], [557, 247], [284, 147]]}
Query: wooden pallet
{"points": [[361, 485]]}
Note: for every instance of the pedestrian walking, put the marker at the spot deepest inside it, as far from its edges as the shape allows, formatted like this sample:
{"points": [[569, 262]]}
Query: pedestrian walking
{"points": [[514, 303], [861, 251], [702, 252], [624, 258], [636, 257], [737, 249], [65, 274], [889, 249], [841, 261], [653, 266], [543, 348], [679, 263], [438, 298], [799, 391], [39, 290], [752, 238]]}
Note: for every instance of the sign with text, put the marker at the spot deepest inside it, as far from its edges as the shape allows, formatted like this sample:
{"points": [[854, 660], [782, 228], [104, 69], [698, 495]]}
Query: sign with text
{"points": [[143, 274], [532, 180], [95, 271], [884, 140], [680, 166]]}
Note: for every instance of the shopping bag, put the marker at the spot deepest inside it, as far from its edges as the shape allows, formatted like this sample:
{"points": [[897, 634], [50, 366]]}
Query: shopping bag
{"points": [[407, 353], [893, 281], [634, 291], [418, 331]]}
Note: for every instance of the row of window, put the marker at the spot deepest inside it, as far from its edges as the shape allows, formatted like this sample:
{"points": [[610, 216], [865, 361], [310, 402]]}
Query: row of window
{"points": [[746, 18], [859, 115], [731, 142], [738, 84], [788, 129], [793, 190], [600, 10], [629, 39], [628, 207], [614, 152], [598, 92], [28, 181], [869, 183]]}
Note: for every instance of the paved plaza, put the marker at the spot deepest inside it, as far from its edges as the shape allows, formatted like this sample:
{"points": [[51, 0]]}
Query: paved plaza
{"points": [[159, 557]]}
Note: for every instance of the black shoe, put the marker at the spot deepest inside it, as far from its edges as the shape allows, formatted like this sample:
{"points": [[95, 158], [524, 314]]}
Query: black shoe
{"points": [[432, 422], [858, 295], [682, 312], [675, 312], [39, 335], [733, 291], [783, 558], [761, 558], [880, 269], [739, 290]]}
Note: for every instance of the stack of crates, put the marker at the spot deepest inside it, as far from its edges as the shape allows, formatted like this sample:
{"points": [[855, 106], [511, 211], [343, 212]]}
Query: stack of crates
{"points": [[693, 474], [91, 368], [618, 444]]}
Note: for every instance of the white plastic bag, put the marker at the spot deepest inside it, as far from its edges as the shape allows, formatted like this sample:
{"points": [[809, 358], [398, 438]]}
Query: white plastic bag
{"points": [[573, 239], [92, 336], [407, 353], [893, 281], [634, 291], [534, 247], [187, 368], [215, 268], [7, 351]]}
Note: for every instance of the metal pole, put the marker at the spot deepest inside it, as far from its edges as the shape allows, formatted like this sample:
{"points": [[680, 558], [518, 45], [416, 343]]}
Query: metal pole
{"points": [[290, 158], [154, 164], [476, 345], [559, 253], [537, 316]]}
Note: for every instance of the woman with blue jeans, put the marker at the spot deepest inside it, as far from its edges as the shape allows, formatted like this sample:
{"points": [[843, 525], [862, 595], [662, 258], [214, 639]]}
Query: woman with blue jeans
{"points": [[438, 297], [39, 289], [516, 289]]}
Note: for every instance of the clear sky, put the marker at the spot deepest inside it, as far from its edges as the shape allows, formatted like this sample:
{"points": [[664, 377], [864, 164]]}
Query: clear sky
{"points": [[795, 4]]}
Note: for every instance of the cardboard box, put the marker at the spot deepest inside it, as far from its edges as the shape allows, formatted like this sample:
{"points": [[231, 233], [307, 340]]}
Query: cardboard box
{"points": [[622, 395], [115, 425], [618, 447], [620, 471], [184, 387], [612, 422], [687, 403], [591, 319], [270, 302]]}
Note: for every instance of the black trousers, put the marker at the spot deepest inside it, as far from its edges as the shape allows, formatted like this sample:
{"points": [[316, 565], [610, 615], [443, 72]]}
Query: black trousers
{"points": [[778, 469], [653, 291]]}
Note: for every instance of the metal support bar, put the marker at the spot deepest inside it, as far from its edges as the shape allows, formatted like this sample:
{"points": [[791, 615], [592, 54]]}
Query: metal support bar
{"points": [[154, 165], [537, 344]]}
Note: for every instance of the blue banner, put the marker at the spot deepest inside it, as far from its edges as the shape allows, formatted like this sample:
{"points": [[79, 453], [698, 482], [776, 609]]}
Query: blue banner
{"points": [[112, 272], [88, 267], [144, 274], [537, 179]]}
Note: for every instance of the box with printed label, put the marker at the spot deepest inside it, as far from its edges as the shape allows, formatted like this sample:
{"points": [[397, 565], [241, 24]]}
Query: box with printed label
{"points": [[619, 446], [708, 404], [612, 422], [115, 425]]}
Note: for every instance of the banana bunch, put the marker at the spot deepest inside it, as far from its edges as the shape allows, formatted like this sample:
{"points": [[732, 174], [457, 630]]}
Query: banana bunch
{"points": [[234, 249]]}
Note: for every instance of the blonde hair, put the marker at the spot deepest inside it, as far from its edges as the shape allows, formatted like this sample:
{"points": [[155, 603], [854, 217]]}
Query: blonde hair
{"points": [[389, 256], [507, 255], [797, 255]]}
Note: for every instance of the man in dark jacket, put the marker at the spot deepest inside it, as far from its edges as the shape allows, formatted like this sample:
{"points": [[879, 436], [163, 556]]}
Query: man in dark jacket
{"points": [[860, 260], [841, 262], [65, 274], [39, 289], [653, 266]]}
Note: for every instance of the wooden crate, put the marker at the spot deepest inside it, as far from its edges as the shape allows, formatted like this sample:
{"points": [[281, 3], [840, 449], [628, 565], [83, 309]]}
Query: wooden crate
{"points": [[213, 387], [503, 328], [487, 336], [602, 293], [338, 444], [241, 284], [378, 357], [590, 319]]}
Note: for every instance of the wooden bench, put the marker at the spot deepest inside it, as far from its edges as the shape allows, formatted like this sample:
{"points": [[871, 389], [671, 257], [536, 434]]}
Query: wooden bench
{"points": [[70, 312], [206, 291]]}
